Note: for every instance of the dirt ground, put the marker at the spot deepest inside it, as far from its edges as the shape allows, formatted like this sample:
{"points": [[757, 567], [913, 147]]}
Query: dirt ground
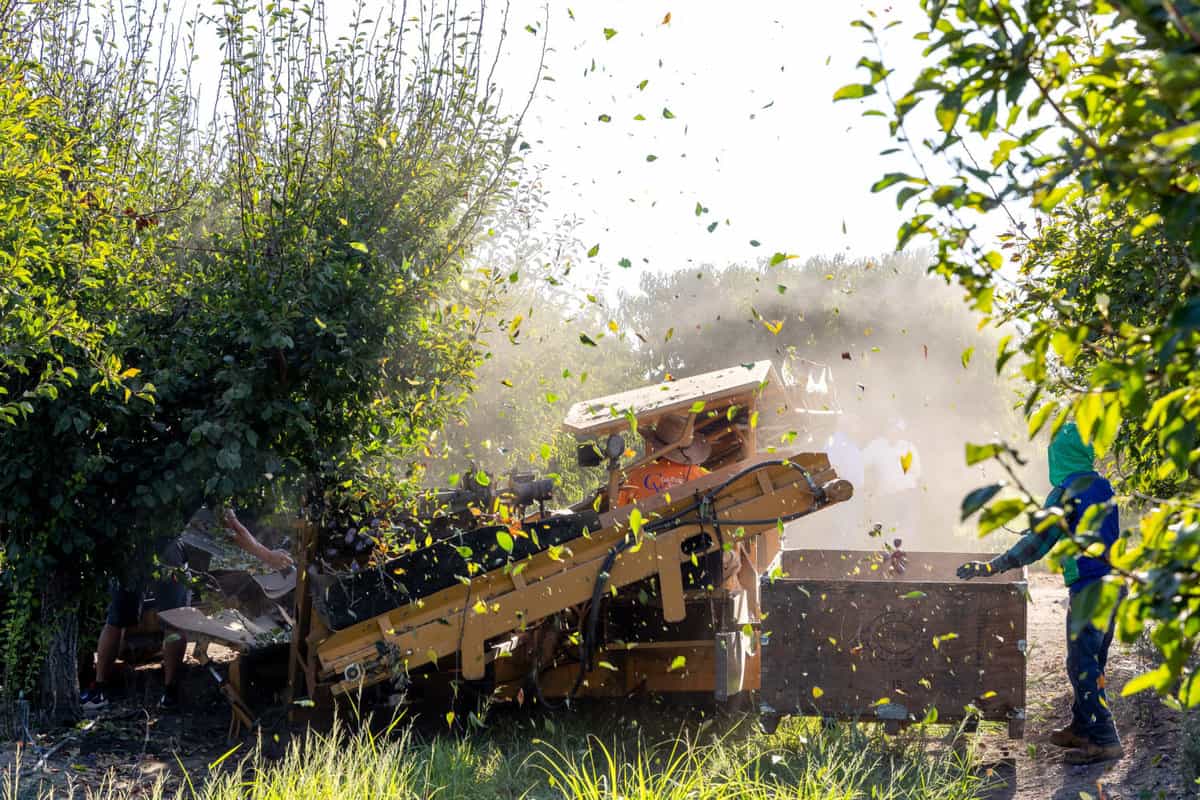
{"points": [[138, 747], [1150, 732]]}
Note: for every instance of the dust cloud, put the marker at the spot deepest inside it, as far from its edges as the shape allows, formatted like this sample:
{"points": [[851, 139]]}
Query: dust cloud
{"points": [[912, 375]]}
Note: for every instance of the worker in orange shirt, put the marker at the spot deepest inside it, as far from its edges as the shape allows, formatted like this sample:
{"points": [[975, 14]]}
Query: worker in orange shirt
{"points": [[675, 467]]}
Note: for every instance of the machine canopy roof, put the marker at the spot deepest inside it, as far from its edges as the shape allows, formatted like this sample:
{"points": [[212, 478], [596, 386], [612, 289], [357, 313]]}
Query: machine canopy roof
{"points": [[608, 414]]}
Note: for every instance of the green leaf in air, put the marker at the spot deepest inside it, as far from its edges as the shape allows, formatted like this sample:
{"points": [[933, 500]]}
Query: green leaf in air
{"points": [[854, 90], [979, 498]]}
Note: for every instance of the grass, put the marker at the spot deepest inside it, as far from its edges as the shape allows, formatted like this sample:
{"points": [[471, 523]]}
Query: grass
{"points": [[576, 756]]}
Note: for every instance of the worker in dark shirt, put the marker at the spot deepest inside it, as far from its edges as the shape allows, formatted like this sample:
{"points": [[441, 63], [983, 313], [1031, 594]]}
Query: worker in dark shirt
{"points": [[1092, 736]]}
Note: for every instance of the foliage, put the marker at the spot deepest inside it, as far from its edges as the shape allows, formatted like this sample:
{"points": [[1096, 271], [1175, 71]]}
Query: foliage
{"points": [[291, 312], [580, 757], [1089, 111], [80, 271]]}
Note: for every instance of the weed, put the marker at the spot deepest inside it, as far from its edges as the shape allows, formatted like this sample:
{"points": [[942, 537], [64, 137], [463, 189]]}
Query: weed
{"points": [[591, 759]]}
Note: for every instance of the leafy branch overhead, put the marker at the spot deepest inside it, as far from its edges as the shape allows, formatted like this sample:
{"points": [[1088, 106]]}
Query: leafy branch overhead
{"points": [[1077, 122], [276, 303]]}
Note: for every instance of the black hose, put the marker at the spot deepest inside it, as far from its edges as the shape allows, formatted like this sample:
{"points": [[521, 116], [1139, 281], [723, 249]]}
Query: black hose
{"points": [[588, 635], [704, 505]]}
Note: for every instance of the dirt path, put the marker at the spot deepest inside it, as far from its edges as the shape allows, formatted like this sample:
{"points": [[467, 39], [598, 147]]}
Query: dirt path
{"points": [[1034, 768]]}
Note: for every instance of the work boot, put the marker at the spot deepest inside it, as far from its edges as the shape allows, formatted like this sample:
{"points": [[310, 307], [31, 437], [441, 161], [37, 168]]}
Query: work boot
{"points": [[96, 698], [1067, 737], [170, 698], [1092, 753]]}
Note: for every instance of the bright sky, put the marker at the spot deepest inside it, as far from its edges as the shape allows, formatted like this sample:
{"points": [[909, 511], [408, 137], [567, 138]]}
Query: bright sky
{"points": [[755, 138]]}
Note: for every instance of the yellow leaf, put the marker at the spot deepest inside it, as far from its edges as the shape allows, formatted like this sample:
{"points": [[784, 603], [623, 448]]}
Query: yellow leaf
{"points": [[612, 325], [677, 663], [906, 461], [818, 692], [667, 19], [774, 326]]}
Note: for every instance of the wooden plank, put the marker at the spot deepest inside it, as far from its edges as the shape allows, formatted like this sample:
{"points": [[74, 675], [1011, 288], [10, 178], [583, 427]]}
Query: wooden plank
{"points": [[596, 417], [228, 627], [874, 565], [299, 650], [917, 644]]}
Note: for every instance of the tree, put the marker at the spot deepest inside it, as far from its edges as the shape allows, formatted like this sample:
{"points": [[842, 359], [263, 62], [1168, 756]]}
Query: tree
{"points": [[304, 320], [1090, 110], [79, 270]]}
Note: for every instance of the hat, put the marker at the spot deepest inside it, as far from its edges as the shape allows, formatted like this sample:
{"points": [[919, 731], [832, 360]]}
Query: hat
{"points": [[1069, 455], [669, 430]]}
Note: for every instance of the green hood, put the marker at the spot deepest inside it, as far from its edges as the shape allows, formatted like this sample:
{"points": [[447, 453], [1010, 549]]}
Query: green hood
{"points": [[1068, 454]]}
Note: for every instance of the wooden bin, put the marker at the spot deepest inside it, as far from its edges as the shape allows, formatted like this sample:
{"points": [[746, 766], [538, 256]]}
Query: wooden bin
{"points": [[848, 636]]}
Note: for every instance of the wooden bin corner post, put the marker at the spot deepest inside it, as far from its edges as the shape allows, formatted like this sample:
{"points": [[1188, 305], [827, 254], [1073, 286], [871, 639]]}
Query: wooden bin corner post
{"points": [[298, 652]]}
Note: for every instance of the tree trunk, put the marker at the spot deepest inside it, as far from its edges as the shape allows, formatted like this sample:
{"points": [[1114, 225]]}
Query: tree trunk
{"points": [[60, 670]]}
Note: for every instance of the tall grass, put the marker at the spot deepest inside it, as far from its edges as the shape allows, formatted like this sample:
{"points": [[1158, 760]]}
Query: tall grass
{"points": [[577, 760]]}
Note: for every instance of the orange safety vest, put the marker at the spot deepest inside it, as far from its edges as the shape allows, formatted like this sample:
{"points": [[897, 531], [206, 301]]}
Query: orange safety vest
{"points": [[656, 477]]}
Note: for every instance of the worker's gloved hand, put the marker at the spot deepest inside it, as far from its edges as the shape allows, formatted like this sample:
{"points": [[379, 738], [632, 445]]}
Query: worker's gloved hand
{"points": [[278, 559], [974, 569]]}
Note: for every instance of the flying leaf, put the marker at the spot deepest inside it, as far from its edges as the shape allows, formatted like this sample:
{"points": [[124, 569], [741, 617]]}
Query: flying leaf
{"points": [[625, 263], [585, 339], [667, 113], [946, 637], [359, 246], [906, 461], [818, 692], [505, 540], [667, 19], [594, 251], [979, 498], [609, 33], [853, 91], [679, 662], [966, 356]]}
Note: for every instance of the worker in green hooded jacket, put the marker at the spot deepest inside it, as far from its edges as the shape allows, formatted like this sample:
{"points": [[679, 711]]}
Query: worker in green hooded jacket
{"points": [[1091, 735]]}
